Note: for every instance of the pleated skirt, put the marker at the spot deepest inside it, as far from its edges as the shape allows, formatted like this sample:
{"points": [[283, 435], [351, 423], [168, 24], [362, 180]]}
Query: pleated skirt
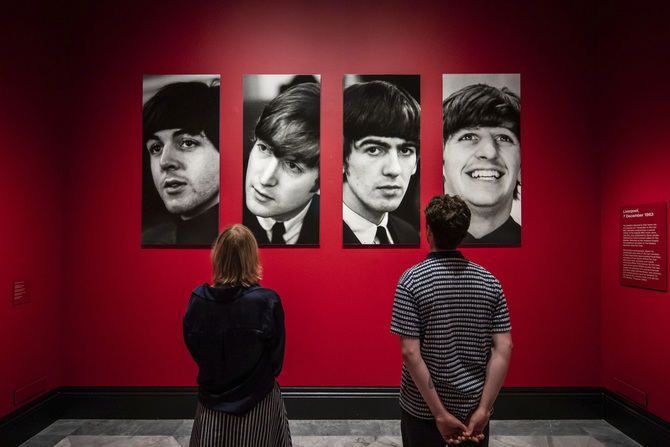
{"points": [[265, 425]]}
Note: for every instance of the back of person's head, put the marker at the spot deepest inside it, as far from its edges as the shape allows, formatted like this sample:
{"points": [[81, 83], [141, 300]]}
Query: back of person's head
{"points": [[481, 105], [291, 123], [191, 106], [448, 218], [235, 258], [381, 109]]}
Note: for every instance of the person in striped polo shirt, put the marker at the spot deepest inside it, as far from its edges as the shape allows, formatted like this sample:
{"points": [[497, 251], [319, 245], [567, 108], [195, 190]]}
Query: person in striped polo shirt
{"points": [[454, 327]]}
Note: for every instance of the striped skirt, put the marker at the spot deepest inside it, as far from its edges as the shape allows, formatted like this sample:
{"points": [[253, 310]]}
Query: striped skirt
{"points": [[265, 425]]}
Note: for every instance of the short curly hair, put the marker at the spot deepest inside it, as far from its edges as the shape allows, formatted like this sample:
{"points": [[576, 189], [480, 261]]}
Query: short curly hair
{"points": [[448, 217]]}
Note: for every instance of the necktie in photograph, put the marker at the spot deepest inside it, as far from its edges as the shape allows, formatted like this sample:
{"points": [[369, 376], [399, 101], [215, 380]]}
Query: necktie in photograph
{"points": [[381, 236], [278, 231]]}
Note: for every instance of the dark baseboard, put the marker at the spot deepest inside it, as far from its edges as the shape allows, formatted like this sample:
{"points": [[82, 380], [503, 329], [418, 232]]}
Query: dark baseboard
{"points": [[636, 422], [549, 403], [128, 402], [326, 403], [32, 418], [341, 402], [382, 403]]}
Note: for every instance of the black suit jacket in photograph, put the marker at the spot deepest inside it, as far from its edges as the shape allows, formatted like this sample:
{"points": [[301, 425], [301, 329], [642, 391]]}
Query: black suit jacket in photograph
{"points": [[401, 233], [309, 233]]}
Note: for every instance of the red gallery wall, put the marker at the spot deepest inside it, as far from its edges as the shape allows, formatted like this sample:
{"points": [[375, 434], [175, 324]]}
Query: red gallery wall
{"points": [[31, 216], [594, 129], [634, 135], [121, 311], [123, 304]]}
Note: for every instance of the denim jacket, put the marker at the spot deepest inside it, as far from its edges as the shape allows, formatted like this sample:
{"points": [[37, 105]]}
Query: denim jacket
{"points": [[236, 336]]}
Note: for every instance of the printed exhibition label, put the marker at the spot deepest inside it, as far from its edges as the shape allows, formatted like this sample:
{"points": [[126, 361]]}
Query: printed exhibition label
{"points": [[643, 236]]}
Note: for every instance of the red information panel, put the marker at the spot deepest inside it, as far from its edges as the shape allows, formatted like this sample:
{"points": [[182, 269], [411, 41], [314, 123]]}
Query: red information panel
{"points": [[643, 246]]}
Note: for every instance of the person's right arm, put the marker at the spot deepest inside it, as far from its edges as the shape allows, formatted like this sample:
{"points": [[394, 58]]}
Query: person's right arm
{"points": [[496, 370], [279, 339]]}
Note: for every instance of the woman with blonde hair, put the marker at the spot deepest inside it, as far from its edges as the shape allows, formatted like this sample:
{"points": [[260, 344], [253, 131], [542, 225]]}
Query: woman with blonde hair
{"points": [[234, 331]]}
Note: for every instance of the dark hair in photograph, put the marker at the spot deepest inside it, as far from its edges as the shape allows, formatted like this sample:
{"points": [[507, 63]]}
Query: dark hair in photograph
{"points": [[480, 105], [448, 217], [379, 108], [192, 106], [291, 123]]}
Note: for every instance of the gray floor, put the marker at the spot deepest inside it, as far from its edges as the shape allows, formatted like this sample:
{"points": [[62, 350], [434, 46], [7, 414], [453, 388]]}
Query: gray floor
{"points": [[334, 433]]}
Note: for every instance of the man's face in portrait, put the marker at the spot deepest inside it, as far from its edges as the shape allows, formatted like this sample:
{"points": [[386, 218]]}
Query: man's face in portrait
{"points": [[185, 170], [377, 174], [277, 187], [482, 165]]}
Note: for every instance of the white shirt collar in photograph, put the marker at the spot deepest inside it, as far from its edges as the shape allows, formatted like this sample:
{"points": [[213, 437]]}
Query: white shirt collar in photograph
{"points": [[364, 230], [292, 226]]}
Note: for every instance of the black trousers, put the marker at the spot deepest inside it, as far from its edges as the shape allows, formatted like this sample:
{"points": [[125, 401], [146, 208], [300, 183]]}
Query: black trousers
{"points": [[424, 433]]}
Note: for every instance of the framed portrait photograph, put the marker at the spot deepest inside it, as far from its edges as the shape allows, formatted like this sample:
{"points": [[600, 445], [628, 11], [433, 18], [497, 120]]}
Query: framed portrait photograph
{"points": [[380, 160], [481, 153], [282, 159], [180, 160]]}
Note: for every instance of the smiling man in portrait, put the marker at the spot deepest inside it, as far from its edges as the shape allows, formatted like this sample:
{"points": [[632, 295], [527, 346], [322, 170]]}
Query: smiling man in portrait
{"points": [[381, 154], [482, 159]]}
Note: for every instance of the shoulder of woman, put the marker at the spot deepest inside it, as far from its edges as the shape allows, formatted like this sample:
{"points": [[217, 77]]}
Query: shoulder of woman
{"points": [[201, 290], [264, 292]]}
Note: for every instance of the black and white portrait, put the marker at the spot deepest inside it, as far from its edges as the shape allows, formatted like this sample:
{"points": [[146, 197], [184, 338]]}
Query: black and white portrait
{"points": [[380, 184], [180, 160], [282, 155], [481, 158]]}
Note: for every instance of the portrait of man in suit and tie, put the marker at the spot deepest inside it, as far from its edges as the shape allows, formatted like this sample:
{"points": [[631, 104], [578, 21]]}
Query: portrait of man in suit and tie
{"points": [[381, 122], [282, 175]]}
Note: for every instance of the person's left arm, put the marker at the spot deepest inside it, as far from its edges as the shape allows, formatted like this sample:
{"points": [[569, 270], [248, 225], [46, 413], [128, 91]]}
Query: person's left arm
{"points": [[190, 335], [451, 429], [406, 323]]}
